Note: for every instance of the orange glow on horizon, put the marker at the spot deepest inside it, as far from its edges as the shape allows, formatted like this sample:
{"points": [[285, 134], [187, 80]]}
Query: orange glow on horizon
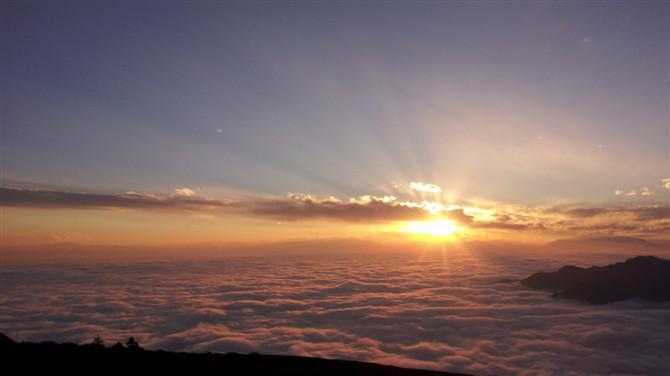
{"points": [[439, 228]]}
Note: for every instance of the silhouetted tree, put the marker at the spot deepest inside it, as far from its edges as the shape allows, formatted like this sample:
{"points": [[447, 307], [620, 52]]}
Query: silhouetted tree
{"points": [[132, 344], [118, 346], [98, 341]]}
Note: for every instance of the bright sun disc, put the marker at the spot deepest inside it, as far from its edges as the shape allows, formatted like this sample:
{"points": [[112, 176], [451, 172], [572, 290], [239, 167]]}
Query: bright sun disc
{"points": [[437, 227]]}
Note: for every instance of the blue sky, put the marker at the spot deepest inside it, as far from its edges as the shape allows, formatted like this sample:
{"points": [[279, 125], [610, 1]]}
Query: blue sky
{"points": [[519, 102]]}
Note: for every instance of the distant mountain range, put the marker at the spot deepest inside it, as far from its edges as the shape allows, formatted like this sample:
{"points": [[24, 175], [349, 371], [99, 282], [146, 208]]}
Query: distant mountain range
{"points": [[607, 243], [642, 277], [48, 358]]}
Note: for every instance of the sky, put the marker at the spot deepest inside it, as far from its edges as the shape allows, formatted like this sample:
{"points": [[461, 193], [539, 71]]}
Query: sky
{"points": [[173, 122]]}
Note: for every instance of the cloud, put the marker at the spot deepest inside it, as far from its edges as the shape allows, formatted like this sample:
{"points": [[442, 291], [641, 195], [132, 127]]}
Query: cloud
{"points": [[298, 206], [423, 187], [185, 192], [364, 209], [500, 225], [641, 213], [292, 207], [646, 192], [666, 183], [13, 197], [652, 212], [581, 212], [460, 310], [649, 219]]}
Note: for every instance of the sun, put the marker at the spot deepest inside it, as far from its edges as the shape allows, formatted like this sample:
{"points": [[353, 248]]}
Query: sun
{"points": [[437, 228]]}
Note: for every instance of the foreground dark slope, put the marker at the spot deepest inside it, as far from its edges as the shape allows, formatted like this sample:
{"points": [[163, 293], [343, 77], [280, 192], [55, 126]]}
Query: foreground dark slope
{"points": [[642, 277], [71, 359]]}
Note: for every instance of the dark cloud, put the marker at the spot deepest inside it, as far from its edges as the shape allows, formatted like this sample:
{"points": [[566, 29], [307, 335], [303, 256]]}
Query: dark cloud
{"points": [[649, 212], [586, 212], [648, 220], [652, 213], [373, 210], [653, 219], [294, 207], [12, 197], [364, 209], [500, 225]]}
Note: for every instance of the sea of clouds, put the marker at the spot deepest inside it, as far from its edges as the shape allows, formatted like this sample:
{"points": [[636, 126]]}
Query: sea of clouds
{"points": [[453, 310]]}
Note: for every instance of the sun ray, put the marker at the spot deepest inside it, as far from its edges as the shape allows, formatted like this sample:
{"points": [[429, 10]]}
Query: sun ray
{"points": [[439, 228]]}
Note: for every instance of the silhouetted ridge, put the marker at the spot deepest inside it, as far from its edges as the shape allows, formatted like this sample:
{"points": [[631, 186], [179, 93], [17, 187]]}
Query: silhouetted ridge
{"points": [[642, 277], [50, 358], [5, 341]]}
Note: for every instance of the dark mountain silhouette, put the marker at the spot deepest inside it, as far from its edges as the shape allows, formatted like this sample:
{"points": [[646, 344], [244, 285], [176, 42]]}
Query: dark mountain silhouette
{"points": [[5, 341], [642, 277], [49, 358]]}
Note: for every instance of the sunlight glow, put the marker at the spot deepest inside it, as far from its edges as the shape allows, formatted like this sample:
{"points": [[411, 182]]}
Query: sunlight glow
{"points": [[438, 227]]}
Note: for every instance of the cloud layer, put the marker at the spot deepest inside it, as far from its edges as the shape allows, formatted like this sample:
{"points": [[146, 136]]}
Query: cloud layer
{"points": [[292, 207], [651, 218], [51, 199], [456, 310], [298, 206]]}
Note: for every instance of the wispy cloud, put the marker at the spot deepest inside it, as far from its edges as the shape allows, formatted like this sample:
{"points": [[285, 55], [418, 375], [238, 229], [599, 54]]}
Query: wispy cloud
{"points": [[580, 212], [652, 218], [424, 187], [639, 212], [298, 206], [646, 192], [293, 207], [641, 220], [12, 197]]}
